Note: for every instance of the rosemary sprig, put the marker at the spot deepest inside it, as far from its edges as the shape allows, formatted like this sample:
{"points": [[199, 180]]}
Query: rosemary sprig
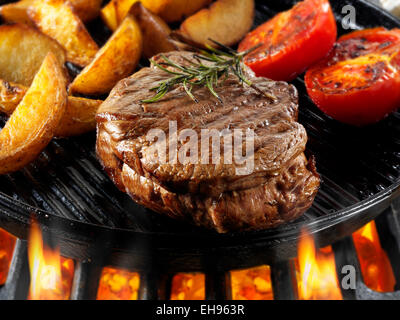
{"points": [[220, 62]]}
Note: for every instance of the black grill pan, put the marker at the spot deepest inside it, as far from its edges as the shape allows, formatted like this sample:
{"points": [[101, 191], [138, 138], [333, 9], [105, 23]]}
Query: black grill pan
{"points": [[77, 204]]}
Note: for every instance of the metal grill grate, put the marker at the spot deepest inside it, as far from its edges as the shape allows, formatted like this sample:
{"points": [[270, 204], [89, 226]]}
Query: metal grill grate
{"points": [[157, 285]]}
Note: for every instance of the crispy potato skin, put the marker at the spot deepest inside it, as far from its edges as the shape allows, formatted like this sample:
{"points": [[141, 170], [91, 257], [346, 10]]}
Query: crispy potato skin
{"points": [[225, 21], [86, 10], [116, 10], [169, 10], [16, 12], [22, 50], [155, 31], [70, 32], [116, 60], [109, 16], [79, 116], [155, 6], [177, 10], [11, 95], [33, 123]]}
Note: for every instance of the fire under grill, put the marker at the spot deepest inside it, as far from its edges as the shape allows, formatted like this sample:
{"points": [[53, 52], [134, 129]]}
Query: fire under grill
{"points": [[281, 282], [82, 212]]}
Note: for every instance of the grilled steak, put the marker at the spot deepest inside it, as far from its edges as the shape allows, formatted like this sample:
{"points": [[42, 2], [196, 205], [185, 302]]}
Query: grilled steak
{"points": [[215, 192]]}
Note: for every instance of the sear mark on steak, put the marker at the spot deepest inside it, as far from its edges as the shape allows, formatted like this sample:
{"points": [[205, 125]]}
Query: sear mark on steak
{"points": [[281, 186]]}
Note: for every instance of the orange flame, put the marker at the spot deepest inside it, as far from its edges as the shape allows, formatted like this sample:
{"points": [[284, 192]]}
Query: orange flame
{"points": [[252, 284], [188, 286], [51, 274], [116, 284], [7, 243], [317, 278], [247, 284], [375, 266]]}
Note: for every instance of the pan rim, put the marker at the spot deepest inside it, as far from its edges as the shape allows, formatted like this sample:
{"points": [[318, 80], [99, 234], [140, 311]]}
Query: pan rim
{"points": [[15, 211]]}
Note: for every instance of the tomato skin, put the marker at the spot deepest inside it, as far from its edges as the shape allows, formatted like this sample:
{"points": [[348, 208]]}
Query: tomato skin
{"points": [[378, 34], [359, 82], [310, 44], [359, 108]]}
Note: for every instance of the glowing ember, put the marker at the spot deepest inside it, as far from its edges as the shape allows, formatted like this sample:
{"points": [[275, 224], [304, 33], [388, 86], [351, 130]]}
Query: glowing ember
{"points": [[316, 278], [375, 266], [51, 274], [7, 243], [188, 286], [116, 284], [252, 284]]}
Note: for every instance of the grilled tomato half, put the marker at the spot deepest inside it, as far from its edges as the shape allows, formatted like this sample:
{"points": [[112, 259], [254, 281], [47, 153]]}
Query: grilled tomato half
{"points": [[358, 83], [291, 41]]}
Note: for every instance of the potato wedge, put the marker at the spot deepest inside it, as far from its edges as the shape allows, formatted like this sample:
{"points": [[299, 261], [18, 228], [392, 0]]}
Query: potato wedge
{"points": [[16, 12], [22, 50], [116, 10], [225, 21], [86, 10], [155, 31], [115, 60], [79, 116], [177, 10], [109, 16], [33, 123], [11, 95], [57, 19], [155, 6]]}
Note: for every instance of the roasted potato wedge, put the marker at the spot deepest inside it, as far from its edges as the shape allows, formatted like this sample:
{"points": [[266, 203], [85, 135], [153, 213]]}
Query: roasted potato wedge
{"points": [[57, 19], [177, 10], [22, 50], [109, 16], [79, 116], [116, 10], [35, 120], [155, 31], [225, 21], [155, 6], [16, 12], [115, 60], [11, 95], [86, 10]]}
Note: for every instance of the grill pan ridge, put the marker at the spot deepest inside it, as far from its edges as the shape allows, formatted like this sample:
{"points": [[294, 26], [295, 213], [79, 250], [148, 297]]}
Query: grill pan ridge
{"points": [[73, 199]]}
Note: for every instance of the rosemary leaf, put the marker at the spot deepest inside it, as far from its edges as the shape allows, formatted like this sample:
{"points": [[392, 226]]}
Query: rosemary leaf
{"points": [[220, 62], [188, 89]]}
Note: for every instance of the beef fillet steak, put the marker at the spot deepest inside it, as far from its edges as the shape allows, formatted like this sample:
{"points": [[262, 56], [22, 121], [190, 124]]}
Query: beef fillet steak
{"points": [[274, 183]]}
